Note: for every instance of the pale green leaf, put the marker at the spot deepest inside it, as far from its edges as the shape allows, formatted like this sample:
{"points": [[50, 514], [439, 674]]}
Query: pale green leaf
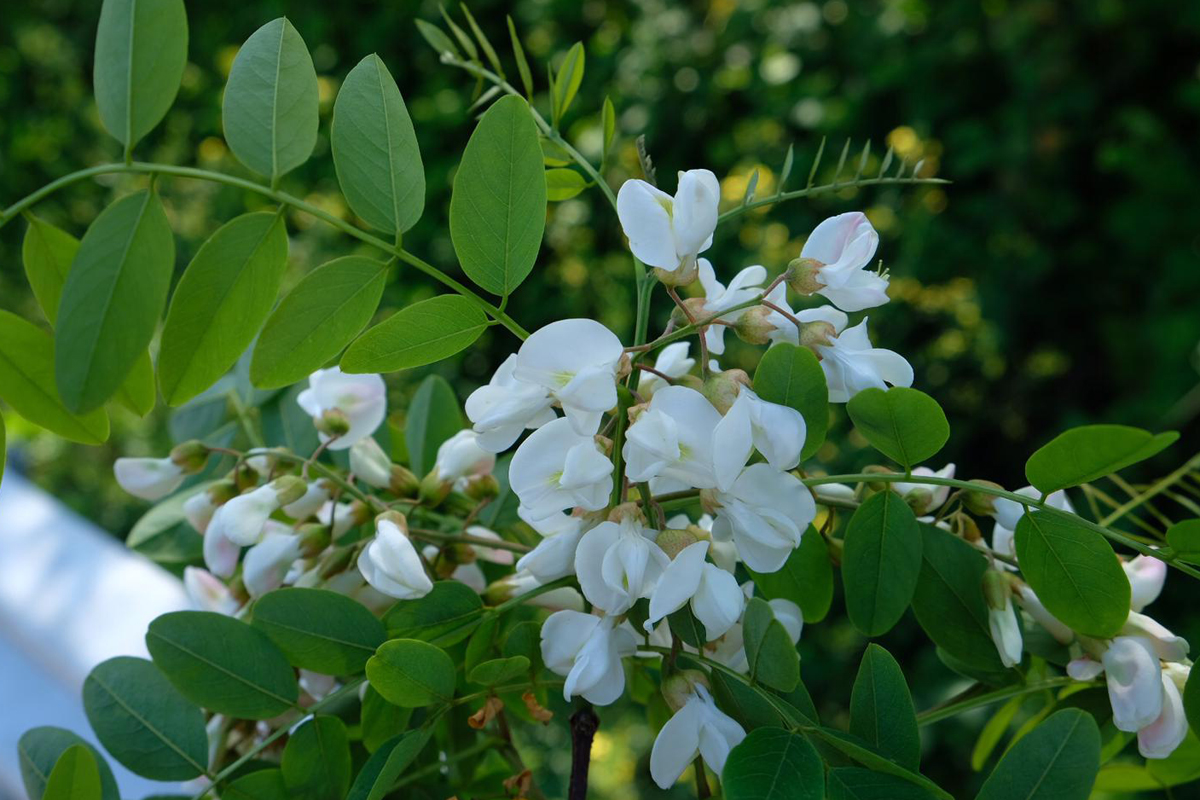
{"points": [[436, 39], [522, 62], [423, 333], [75, 776], [411, 673], [39, 749], [1084, 454], [905, 425], [563, 184], [566, 82], [608, 120]]}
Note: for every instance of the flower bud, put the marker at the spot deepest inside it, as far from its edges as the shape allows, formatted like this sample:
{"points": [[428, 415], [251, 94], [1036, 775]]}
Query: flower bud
{"points": [[370, 464], [482, 487], [996, 589], [626, 511], [244, 476], [722, 388], [314, 538], [690, 381], [817, 334], [289, 489], [979, 502], [965, 527], [333, 422], [694, 306], [403, 483], [672, 541], [190, 456], [919, 500], [433, 490], [754, 325], [679, 687], [624, 367], [878, 469], [802, 276]]}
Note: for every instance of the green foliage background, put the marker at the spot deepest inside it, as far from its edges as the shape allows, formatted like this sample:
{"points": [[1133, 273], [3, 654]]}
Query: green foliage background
{"points": [[1054, 282]]}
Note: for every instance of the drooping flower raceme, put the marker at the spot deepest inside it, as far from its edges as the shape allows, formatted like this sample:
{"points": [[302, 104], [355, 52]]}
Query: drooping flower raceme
{"points": [[557, 468], [669, 232], [698, 728], [618, 563], [839, 250], [714, 594], [587, 651], [349, 406], [370, 464], [673, 438], [460, 458]]}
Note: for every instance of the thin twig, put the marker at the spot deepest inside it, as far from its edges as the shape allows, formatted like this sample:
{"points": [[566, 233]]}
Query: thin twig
{"points": [[584, 723]]}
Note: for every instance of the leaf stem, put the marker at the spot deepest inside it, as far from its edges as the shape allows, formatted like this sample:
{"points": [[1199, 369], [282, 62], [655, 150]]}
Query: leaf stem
{"points": [[971, 699], [825, 189]]}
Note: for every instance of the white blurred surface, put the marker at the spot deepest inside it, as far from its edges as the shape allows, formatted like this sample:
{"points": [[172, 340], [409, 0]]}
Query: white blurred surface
{"points": [[71, 596]]}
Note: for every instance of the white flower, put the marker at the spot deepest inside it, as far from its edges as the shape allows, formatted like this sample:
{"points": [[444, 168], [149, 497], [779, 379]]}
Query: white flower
{"points": [[1160, 738], [1134, 683], [207, 592], [148, 478], [714, 594], [746, 285], [494, 555], [1146, 577], [669, 232], [370, 464], [361, 398], [673, 438], [522, 581], [765, 513], [554, 555], [789, 616], [923, 496], [267, 563], [339, 517], [672, 361], [587, 650], [504, 408], [460, 457], [220, 554], [845, 245], [775, 430], [617, 564], [576, 361], [1161, 641], [198, 510], [316, 494], [241, 520], [1029, 601], [850, 362], [557, 468], [1005, 629], [391, 564], [699, 728]]}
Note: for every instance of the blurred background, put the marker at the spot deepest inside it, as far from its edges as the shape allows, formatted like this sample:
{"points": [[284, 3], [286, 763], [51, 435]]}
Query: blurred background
{"points": [[1055, 281]]}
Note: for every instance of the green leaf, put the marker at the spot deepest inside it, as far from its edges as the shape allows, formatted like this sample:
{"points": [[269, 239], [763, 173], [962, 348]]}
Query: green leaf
{"points": [[1075, 573], [1058, 760], [773, 764], [377, 776], [144, 722], [319, 630], [524, 639], [806, 578], [47, 253], [484, 44], [948, 601], [566, 82], [772, 656], [459, 34], [75, 776], [271, 101], [609, 123], [482, 642], [3, 447], [433, 417], [39, 749], [381, 720], [27, 383], [411, 673], [1184, 539], [222, 664], [375, 149], [1084, 454], [318, 318], [263, 784], [436, 39], [683, 623], [862, 753], [522, 63], [164, 535], [881, 562], [498, 207], [442, 614], [138, 393], [905, 425], [423, 333], [498, 670], [856, 783], [221, 302], [992, 732], [1191, 703], [881, 709], [141, 50], [792, 376], [316, 761], [112, 300], [563, 184]]}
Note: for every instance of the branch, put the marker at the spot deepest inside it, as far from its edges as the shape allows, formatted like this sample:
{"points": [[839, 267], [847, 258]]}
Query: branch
{"points": [[584, 723]]}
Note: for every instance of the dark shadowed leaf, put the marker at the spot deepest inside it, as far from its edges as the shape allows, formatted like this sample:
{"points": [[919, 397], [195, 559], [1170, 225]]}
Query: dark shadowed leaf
{"points": [[433, 417], [316, 761], [1057, 760], [881, 709], [773, 764], [881, 562], [375, 780], [319, 630]]}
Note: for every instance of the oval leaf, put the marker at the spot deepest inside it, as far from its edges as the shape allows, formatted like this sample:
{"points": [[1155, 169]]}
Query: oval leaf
{"points": [[498, 670], [771, 655], [318, 318], [222, 664], [856, 783], [39, 750], [319, 630], [881, 562], [47, 253], [376, 777], [881, 709], [806, 578], [75, 776], [375, 149], [221, 302], [773, 764], [27, 383], [263, 784], [433, 417], [563, 184], [423, 333], [381, 721], [141, 50], [271, 101], [316, 761], [112, 300], [449, 606], [1057, 760], [1075, 573], [1184, 539], [411, 673], [792, 376], [498, 208], [1084, 454], [905, 425], [144, 722]]}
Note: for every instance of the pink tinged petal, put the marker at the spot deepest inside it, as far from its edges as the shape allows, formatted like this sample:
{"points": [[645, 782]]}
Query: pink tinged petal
{"points": [[1084, 669], [694, 217], [1160, 738], [1146, 577], [1161, 641], [1134, 683], [829, 239], [645, 214], [676, 745], [679, 582], [220, 554], [718, 601]]}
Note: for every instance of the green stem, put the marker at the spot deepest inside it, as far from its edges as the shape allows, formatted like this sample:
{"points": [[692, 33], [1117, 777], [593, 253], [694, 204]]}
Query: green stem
{"points": [[1156, 489], [956, 706], [145, 168], [813, 191], [1040, 504], [466, 538]]}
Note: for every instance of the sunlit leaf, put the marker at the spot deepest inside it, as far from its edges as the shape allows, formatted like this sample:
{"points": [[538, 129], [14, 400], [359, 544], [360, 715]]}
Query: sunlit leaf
{"points": [[423, 333], [905, 425], [1084, 454], [411, 673]]}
